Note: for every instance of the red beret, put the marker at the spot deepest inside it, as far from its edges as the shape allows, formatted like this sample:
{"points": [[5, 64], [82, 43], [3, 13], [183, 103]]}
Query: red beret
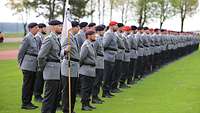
{"points": [[126, 28], [112, 23]]}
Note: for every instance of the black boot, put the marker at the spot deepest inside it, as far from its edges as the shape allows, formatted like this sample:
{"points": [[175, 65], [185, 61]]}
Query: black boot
{"points": [[106, 95], [86, 107]]}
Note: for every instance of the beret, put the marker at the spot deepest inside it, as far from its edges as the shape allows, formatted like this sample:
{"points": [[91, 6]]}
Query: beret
{"points": [[31, 25], [126, 28], [75, 24], [55, 22], [41, 25], [90, 32], [146, 28], [83, 24], [112, 23], [103, 26], [133, 27], [140, 28], [120, 24], [155, 30], [99, 28], [91, 24]]}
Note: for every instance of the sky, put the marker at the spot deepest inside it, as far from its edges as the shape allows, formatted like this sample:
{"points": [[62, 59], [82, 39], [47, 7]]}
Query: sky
{"points": [[192, 23]]}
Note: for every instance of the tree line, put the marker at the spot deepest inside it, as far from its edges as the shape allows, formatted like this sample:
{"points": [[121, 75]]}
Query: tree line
{"points": [[143, 10]]}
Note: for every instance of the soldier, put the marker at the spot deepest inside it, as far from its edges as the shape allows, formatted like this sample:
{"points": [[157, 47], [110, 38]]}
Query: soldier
{"points": [[70, 47], [133, 55], [110, 50], [140, 62], [81, 35], [49, 62], [87, 70], [27, 60], [81, 38], [118, 59], [39, 82], [126, 60], [98, 46]]}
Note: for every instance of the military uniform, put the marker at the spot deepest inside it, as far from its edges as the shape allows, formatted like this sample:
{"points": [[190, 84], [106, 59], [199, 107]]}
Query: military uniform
{"points": [[39, 82], [27, 60], [140, 62], [49, 62], [133, 57], [110, 50], [74, 67], [87, 73], [126, 62], [118, 63], [98, 46]]}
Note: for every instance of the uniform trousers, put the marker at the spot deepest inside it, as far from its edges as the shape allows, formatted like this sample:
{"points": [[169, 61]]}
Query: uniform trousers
{"points": [[27, 86], [65, 93], [117, 74], [86, 88], [51, 96], [39, 84], [97, 83], [107, 78]]}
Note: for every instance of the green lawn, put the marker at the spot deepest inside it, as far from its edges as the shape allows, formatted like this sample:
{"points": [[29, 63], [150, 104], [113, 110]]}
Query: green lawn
{"points": [[9, 46], [174, 89], [14, 35]]}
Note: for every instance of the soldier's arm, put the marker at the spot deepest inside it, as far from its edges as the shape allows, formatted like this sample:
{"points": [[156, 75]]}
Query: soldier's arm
{"points": [[22, 50], [106, 41], [46, 47], [96, 45], [83, 53]]}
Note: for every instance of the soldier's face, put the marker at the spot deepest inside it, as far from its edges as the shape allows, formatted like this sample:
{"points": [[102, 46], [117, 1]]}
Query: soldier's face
{"points": [[92, 37], [115, 28], [101, 33], [58, 29], [34, 30], [76, 29], [44, 30]]}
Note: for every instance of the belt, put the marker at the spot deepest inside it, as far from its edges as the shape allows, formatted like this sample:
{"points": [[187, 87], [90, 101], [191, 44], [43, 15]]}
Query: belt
{"points": [[112, 49], [127, 51], [53, 60], [31, 54], [121, 48], [74, 59], [89, 64], [98, 54]]}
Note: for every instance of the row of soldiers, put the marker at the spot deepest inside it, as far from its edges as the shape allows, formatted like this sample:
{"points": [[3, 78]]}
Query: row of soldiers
{"points": [[92, 57]]}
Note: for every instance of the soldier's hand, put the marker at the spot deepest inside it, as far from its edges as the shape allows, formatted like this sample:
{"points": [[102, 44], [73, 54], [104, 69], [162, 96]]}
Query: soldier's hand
{"points": [[67, 49]]}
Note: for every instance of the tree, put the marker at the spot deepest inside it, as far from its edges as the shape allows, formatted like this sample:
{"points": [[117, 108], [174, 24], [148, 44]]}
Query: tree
{"points": [[142, 10], [163, 10], [111, 8], [50, 9], [123, 6], [99, 10], [103, 10], [79, 8], [22, 7], [92, 9], [185, 8]]}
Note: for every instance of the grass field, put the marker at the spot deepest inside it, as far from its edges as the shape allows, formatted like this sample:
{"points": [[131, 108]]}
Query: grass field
{"points": [[9, 46], [173, 89], [14, 35]]}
